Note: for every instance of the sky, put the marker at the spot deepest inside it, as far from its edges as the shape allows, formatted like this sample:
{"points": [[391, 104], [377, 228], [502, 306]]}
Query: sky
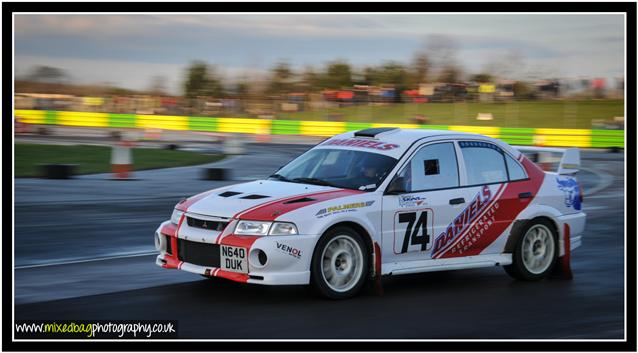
{"points": [[129, 50]]}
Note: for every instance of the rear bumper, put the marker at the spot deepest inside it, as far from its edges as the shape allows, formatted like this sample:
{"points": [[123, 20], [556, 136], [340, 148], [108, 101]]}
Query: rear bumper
{"points": [[576, 224]]}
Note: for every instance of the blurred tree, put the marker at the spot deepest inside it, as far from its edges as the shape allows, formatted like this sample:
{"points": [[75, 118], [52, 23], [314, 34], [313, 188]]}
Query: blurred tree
{"points": [[450, 73], [338, 75], [482, 77], [158, 86], [420, 69], [370, 75], [242, 88], [441, 50], [310, 79], [202, 81], [392, 73], [281, 79], [48, 74]]}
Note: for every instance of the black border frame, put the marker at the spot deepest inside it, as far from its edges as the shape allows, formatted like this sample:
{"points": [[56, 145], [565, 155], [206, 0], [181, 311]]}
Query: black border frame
{"points": [[7, 210]]}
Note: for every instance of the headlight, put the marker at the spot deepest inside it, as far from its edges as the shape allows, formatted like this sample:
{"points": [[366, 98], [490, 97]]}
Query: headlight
{"points": [[252, 228], [265, 228], [280, 228], [176, 216]]}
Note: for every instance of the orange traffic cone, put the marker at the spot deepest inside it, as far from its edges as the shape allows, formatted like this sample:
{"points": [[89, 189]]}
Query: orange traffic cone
{"points": [[122, 160]]}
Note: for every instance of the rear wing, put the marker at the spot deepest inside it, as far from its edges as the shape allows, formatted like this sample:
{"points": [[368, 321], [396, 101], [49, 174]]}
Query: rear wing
{"points": [[568, 159]]}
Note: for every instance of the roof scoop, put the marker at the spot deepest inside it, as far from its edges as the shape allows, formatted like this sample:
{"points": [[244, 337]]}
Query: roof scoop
{"points": [[373, 132]]}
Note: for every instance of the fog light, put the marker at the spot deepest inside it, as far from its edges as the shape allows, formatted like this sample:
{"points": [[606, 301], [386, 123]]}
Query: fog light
{"points": [[258, 258], [160, 242], [157, 241]]}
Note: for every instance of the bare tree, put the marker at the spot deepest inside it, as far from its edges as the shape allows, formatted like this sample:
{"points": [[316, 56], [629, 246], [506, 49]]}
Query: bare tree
{"points": [[48, 74], [158, 86]]}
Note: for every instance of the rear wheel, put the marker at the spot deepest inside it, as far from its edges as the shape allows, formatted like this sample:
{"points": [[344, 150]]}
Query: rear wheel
{"points": [[339, 264], [535, 252]]}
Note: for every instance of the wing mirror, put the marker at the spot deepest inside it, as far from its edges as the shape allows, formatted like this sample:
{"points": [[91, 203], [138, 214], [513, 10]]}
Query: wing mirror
{"points": [[397, 186]]}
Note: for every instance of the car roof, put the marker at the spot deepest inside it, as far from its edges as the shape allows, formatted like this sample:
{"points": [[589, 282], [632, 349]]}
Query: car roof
{"points": [[395, 141]]}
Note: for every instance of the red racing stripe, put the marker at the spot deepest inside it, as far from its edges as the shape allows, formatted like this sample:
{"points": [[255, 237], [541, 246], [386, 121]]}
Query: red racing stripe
{"points": [[504, 211], [184, 205], [271, 210]]}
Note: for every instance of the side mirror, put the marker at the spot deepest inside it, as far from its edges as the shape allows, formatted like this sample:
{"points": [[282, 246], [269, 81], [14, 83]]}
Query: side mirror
{"points": [[397, 186]]}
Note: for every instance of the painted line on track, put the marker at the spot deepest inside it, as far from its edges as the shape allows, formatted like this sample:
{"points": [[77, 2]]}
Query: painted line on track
{"points": [[606, 180], [86, 260]]}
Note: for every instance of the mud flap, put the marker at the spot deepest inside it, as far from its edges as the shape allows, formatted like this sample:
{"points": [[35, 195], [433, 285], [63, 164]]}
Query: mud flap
{"points": [[563, 268], [377, 270]]}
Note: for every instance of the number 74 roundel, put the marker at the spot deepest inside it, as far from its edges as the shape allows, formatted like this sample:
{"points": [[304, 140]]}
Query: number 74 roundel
{"points": [[413, 231]]}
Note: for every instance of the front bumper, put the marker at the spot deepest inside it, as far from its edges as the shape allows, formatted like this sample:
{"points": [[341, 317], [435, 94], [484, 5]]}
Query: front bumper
{"points": [[288, 257]]}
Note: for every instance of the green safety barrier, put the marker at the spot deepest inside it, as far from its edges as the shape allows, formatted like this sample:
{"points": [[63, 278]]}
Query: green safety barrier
{"points": [[514, 136]]}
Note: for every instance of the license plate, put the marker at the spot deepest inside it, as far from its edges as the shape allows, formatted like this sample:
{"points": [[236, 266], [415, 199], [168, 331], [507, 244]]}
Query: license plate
{"points": [[233, 259]]}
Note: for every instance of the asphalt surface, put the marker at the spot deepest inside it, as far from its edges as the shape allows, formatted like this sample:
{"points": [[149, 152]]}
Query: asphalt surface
{"points": [[83, 252]]}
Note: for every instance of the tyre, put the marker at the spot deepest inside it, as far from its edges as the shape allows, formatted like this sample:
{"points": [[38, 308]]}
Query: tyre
{"points": [[535, 251], [340, 264]]}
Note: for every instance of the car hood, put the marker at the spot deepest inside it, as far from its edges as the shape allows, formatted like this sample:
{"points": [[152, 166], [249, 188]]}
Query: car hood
{"points": [[231, 201]]}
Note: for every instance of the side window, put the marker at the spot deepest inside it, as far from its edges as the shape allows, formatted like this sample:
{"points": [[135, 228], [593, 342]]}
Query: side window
{"points": [[484, 163], [516, 171], [432, 167]]}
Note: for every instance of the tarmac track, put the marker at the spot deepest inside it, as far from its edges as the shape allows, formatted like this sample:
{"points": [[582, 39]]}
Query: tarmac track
{"points": [[83, 252]]}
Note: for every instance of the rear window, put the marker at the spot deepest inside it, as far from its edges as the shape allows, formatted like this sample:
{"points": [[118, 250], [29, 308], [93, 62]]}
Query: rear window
{"points": [[484, 162]]}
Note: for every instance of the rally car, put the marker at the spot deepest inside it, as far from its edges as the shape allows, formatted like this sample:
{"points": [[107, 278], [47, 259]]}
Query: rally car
{"points": [[382, 201]]}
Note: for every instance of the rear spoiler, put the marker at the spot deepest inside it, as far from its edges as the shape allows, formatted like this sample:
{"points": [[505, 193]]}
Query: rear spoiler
{"points": [[568, 158]]}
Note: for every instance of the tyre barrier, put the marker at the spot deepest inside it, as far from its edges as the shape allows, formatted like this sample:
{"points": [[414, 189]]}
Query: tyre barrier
{"points": [[215, 174], [57, 171]]}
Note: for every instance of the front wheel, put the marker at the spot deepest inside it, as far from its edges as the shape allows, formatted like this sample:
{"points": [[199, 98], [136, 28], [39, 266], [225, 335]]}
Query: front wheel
{"points": [[339, 264], [535, 252]]}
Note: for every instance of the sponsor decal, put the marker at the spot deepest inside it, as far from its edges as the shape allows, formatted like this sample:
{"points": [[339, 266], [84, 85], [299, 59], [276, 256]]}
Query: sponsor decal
{"points": [[348, 207], [411, 201], [292, 251], [570, 187], [462, 222], [363, 143]]}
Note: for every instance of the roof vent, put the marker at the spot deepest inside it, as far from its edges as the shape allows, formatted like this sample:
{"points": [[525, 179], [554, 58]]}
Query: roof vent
{"points": [[254, 197], [303, 199], [373, 131], [229, 193]]}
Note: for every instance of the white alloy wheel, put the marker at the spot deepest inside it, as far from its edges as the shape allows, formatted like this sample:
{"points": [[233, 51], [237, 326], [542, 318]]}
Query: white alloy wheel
{"points": [[538, 249], [341, 263]]}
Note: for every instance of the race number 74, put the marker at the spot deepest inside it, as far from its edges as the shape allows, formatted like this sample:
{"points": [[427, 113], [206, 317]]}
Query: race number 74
{"points": [[416, 233]]}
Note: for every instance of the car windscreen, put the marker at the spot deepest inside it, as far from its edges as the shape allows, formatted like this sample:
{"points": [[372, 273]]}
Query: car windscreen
{"points": [[339, 168]]}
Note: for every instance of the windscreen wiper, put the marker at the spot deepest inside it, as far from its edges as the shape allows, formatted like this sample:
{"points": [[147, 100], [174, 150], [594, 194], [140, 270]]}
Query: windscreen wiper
{"points": [[279, 177]]}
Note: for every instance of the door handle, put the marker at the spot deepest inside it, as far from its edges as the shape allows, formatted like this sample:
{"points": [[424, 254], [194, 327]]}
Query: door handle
{"points": [[525, 195], [457, 201]]}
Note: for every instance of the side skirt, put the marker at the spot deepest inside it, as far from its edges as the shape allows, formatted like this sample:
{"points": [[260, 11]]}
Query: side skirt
{"points": [[467, 262]]}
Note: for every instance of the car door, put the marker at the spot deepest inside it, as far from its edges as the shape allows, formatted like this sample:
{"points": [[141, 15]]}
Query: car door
{"points": [[485, 214], [421, 201]]}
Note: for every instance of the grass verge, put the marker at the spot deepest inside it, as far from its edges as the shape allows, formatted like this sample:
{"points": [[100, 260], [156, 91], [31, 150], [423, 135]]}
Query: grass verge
{"points": [[97, 159], [572, 114]]}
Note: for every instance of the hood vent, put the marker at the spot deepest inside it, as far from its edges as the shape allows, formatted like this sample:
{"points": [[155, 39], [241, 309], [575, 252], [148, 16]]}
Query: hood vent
{"points": [[254, 197], [303, 199], [229, 193]]}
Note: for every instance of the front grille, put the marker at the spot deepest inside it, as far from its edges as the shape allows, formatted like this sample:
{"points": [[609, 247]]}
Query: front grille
{"points": [[201, 254], [206, 224]]}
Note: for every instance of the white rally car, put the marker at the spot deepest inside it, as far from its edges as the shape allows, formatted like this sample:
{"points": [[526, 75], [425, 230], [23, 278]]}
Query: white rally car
{"points": [[382, 201]]}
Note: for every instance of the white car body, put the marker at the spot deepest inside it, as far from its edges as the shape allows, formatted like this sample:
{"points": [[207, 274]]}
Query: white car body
{"points": [[442, 236]]}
